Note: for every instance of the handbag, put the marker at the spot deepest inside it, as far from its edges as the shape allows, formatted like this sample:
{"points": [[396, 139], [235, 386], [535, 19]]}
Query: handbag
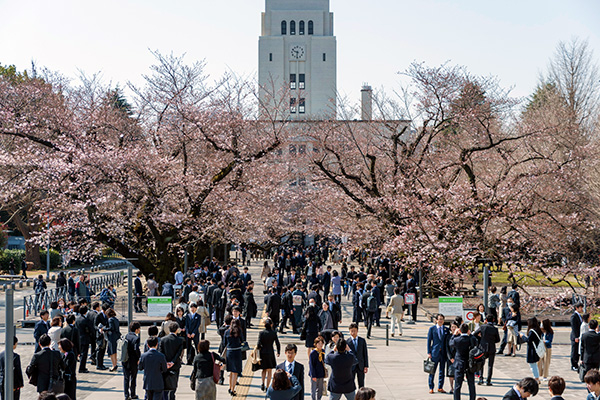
{"points": [[245, 346], [429, 366], [216, 370], [255, 356], [193, 380], [540, 349]]}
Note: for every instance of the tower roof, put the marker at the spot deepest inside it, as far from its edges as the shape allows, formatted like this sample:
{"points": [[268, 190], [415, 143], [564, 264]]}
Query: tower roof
{"points": [[297, 5]]}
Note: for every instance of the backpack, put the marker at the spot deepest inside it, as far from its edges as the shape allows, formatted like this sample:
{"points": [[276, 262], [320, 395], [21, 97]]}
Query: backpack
{"points": [[168, 290], [372, 303], [476, 359], [39, 286], [124, 348]]}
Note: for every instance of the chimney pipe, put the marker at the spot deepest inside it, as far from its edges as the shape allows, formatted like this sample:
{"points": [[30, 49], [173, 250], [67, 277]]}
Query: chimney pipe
{"points": [[366, 103]]}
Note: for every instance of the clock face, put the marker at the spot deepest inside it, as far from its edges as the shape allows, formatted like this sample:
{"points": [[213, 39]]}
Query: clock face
{"points": [[297, 52]]}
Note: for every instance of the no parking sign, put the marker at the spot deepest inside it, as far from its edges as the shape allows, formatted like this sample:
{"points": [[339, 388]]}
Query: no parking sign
{"points": [[468, 317]]}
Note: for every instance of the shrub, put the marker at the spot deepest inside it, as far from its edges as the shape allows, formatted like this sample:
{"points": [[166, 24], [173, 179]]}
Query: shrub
{"points": [[7, 255], [55, 258]]}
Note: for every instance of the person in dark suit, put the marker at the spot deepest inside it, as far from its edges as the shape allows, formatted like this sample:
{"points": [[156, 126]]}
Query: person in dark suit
{"points": [[411, 287], [154, 365], [250, 307], [356, 303], [527, 387], [287, 306], [576, 320], [100, 323], [138, 291], [343, 363], [17, 374], [293, 367], [556, 387], [72, 333], [130, 367], [436, 351], [192, 326], [336, 310], [86, 331], [113, 334], [590, 347], [463, 342], [274, 306], [358, 346], [49, 364], [70, 374], [246, 277], [219, 302], [292, 279], [41, 328], [514, 295], [326, 281], [488, 337], [91, 316], [172, 347]]}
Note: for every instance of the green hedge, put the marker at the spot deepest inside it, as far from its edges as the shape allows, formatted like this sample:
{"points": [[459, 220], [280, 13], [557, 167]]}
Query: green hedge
{"points": [[7, 255], [55, 258]]}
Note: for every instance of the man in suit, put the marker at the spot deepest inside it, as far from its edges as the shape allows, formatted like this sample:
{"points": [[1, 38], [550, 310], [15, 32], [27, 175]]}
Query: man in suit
{"points": [[86, 332], [17, 374], [590, 347], [292, 279], [463, 342], [219, 302], [397, 305], [488, 337], [293, 367], [274, 306], [246, 277], [576, 320], [48, 362], [556, 387], [172, 347], [342, 363], [250, 307], [336, 311], [287, 306], [326, 282], [357, 303], [138, 291], [100, 323], [527, 387], [192, 327], [358, 346], [91, 316], [187, 289], [411, 288], [514, 295], [41, 328], [436, 351], [592, 381], [72, 333], [154, 365], [130, 367]]}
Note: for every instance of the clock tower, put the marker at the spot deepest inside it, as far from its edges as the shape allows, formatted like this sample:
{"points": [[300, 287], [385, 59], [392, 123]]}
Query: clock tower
{"points": [[297, 58]]}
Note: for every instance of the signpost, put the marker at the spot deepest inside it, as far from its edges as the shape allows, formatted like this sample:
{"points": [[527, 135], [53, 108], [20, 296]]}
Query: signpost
{"points": [[451, 305], [159, 306]]}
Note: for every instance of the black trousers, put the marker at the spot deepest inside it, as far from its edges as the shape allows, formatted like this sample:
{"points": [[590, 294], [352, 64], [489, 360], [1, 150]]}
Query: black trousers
{"points": [[100, 351], [459, 378], [503, 343], [85, 348], [219, 316], [491, 357], [371, 316], [192, 345], [359, 374], [154, 394], [287, 317], [137, 304], [129, 380], [574, 353]]}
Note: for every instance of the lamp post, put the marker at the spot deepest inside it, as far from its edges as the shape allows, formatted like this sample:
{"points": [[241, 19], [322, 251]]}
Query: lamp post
{"points": [[48, 255], [129, 290], [8, 346]]}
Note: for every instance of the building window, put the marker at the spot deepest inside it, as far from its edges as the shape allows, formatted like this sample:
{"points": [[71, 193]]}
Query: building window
{"points": [[301, 80], [292, 27], [293, 106], [292, 81], [283, 28], [302, 149], [302, 106], [301, 29], [292, 149], [311, 28], [324, 57], [270, 56]]}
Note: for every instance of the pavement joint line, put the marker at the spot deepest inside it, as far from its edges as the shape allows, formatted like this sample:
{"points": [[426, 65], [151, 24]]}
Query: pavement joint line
{"points": [[246, 380]]}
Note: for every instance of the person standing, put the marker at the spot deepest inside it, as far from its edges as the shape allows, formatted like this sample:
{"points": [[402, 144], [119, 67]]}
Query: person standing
{"points": [[590, 347], [357, 311], [41, 328], [312, 326], [436, 351], [336, 287], [250, 307], [494, 303], [284, 387], [411, 288], [358, 346], [488, 337], [274, 306], [154, 365], [556, 387], [287, 308], [206, 389], [462, 343], [172, 347], [70, 374], [233, 342], [55, 331], [91, 316], [18, 382], [130, 363], [266, 339], [316, 369], [343, 363], [49, 364], [371, 310], [138, 291], [397, 307], [576, 321], [100, 324], [592, 381], [294, 368], [298, 301], [548, 337], [335, 309], [71, 286], [152, 286], [326, 282], [192, 327], [85, 327], [113, 334], [533, 338], [72, 333]]}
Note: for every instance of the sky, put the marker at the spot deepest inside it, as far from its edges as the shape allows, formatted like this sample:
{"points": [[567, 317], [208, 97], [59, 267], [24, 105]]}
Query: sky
{"points": [[512, 39]]}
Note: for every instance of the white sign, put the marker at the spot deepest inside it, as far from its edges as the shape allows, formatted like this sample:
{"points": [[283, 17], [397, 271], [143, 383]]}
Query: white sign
{"points": [[468, 316], [450, 305], [159, 306], [410, 298]]}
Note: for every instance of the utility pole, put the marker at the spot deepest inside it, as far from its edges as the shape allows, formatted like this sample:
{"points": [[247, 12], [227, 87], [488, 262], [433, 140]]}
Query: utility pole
{"points": [[9, 343]]}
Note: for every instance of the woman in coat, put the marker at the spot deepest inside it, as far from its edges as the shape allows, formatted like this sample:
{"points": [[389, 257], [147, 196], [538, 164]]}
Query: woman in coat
{"points": [[234, 337], [533, 338], [336, 289], [283, 388], [266, 339], [180, 318], [66, 348], [312, 326], [326, 317], [113, 335], [55, 331], [316, 369], [450, 353], [203, 312], [206, 389]]}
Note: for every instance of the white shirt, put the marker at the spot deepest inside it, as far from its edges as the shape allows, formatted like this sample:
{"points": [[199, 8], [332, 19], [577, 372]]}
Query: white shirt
{"points": [[179, 278], [287, 366]]}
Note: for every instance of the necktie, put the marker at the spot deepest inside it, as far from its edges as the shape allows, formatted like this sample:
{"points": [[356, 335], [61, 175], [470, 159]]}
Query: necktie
{"points": [[290, 368], [355, 343], [440, 332]]}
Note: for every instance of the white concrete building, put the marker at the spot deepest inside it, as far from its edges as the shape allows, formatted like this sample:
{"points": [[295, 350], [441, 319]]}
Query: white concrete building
{"points": [[297, 58]]}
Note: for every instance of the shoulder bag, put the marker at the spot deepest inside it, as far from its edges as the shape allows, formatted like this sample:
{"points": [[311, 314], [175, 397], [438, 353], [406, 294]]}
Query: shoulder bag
{"points": [[216, 369]]}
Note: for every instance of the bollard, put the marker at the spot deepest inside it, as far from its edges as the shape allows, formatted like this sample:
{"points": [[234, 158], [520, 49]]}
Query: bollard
{"points": [[4, 287], [20, 284], [53, 278], [12, 285], [387, 335]]}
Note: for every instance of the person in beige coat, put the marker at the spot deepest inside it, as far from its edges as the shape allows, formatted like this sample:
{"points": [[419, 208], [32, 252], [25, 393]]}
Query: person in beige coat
{"points": [[396, 304], [203, 312]]}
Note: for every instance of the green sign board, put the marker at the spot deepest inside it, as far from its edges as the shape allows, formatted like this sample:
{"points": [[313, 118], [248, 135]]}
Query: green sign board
{"points": [[159, 306], [450, 305]]}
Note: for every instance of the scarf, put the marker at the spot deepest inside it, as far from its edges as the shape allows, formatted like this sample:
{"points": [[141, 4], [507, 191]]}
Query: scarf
{"points": [[321, 355]]}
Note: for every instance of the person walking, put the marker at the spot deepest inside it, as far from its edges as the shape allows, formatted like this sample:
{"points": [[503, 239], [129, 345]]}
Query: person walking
{"points": [[285, 386], [41, 328], [336, 286], [154, 365], [65, 346], [576, 320], [343, 363], [172, 347], [250, 307], [312, 326], [130, 362], [533, 338], [326, 317], [293, 368], [202, 372], [18, 382], [548, 337], [411, 288], [85, 327], [266, 339], [396, 306], [488, 337], [494, 303], [49, 364], [316, 369], [436, 351], [113, 334], [138, 291], [358, 346], [450, 355], [233, 342], [152, 286], [205, 319], [371, 310], [274, 306], [287, 309], [463, 342], [192, 332]]}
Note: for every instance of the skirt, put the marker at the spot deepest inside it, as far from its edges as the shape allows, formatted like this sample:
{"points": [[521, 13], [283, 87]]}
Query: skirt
{"points": [[310, 339], [206, 389], [267, 360], [234, 361], [112, 348]]}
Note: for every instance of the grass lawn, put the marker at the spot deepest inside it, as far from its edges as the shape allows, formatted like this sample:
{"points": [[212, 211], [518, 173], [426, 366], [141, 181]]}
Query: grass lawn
{"points": [[529, 278]]}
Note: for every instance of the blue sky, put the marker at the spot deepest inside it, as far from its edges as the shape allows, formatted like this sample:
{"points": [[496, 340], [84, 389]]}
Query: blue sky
{"points": [[510, 39]]}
